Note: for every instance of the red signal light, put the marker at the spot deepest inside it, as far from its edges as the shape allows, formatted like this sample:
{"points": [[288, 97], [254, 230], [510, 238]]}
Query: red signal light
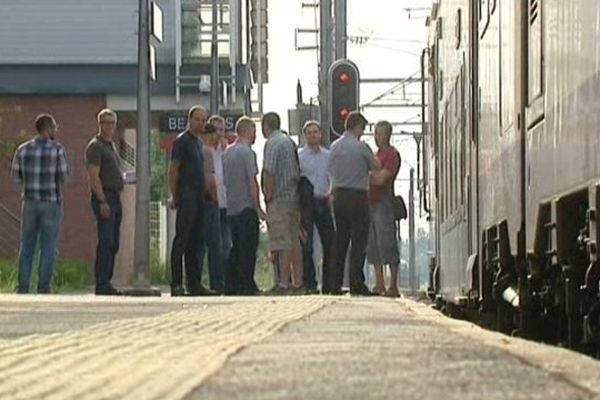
{"points": [[344, 113], [344, 78]]}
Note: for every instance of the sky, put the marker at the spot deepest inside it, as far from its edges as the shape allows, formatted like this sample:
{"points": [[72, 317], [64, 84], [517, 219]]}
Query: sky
{"points": [[392, 51]]}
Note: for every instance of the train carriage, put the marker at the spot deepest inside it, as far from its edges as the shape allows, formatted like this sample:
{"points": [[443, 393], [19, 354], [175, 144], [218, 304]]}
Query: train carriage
{"points": [[512, 156]]}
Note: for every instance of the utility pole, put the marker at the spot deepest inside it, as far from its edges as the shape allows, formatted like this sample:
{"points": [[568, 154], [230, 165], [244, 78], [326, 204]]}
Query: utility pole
{"points": [[340, 29], [141, 278], [214, 50], [259, 38], [411, 235], [326, 55]]}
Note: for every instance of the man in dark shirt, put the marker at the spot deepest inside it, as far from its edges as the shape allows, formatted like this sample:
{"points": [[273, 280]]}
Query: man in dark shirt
{"points": [[187, 183], [106, 184], [40, 166]]}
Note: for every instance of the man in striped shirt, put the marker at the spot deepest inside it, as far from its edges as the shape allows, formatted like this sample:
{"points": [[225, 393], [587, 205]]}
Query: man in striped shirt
{"points": [[40, 166]]}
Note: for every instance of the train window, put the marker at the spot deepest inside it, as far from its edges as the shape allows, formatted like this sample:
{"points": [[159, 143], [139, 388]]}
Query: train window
{"points": [[507, 65], [536, 50]]}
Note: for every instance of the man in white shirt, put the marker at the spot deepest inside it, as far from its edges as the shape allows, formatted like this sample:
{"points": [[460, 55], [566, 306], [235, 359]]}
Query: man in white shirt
{"points": [[314, 159]]}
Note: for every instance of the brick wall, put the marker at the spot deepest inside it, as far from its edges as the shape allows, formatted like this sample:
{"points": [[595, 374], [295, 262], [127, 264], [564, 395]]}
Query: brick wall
{"points": [[76, 117]]}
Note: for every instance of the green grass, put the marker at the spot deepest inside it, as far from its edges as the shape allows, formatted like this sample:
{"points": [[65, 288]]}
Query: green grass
{"points": [[69, 276]]}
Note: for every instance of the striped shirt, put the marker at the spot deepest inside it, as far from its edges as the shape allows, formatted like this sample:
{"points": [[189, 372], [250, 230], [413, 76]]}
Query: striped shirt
{"points": [[281, 161], [40, 165]]}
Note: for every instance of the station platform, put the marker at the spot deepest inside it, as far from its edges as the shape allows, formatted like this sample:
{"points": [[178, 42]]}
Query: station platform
{"points": [[306, 347]]}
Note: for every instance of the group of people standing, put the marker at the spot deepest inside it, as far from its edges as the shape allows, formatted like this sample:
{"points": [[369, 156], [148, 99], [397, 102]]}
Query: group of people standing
{"points": [[345, 192]]}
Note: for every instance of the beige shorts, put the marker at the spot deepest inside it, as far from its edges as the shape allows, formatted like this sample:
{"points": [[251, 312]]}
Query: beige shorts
{"points": [[283, 223]]}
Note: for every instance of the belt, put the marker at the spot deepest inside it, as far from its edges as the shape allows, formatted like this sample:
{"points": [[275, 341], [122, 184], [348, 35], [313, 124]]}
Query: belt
{"points": [[351, 190]]}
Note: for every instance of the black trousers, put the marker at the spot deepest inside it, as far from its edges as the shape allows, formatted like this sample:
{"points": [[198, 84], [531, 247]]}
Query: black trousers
{"points": [[188, 238], [239, 274], [351, 211], [319, 215]]}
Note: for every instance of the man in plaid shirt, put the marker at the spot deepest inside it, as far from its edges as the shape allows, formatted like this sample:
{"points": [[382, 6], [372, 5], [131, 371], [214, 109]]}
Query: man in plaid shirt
{"points": [[40, 166]]}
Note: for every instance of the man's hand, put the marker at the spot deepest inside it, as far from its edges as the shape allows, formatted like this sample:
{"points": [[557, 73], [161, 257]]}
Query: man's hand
{"points": [[302, 235], [172, 203], [104, 211]]}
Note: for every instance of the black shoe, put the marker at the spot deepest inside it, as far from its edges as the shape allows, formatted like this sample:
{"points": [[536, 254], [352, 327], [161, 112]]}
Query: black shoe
{"points": [[108, 291], [332, 292], [177, 291], [361, 291], [312, 291], [44, 291], [201, 291]]}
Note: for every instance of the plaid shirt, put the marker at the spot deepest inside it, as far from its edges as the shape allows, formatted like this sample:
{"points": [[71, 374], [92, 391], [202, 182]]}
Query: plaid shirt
{"points": [[281, 161], [41, 167]]}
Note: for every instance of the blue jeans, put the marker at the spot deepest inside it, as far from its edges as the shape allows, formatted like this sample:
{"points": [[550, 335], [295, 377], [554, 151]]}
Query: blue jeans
{"points": [[38, 219], [319, 215], [108, 240], [212, 242], [239, 276]]}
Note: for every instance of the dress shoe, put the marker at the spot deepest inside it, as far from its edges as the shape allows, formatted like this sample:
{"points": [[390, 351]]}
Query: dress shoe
{"points": [[108, 291], [177, 291], [200, 290], [361, 291]]}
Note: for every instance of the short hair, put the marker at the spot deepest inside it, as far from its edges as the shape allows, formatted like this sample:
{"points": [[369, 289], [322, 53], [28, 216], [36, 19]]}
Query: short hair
{"points": [[216, 117], [310, 123], [386, 126], [355, 119], [243, 123], [209, 129], [106, 111], [271, 120], [195, 108], [44, 122]]}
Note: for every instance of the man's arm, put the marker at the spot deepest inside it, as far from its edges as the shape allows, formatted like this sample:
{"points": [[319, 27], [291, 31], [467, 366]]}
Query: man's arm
{"points": [[254, 193], [268, 184], [63, 167], [173, 178], [381, 177], [15, 171]]}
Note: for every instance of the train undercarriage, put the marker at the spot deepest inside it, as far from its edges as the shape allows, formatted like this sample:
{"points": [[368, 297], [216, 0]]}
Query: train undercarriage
{"points": [[551, 294]]}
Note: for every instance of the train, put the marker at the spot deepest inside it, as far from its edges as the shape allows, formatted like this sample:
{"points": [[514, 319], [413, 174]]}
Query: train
{"points": [[511, 165]]}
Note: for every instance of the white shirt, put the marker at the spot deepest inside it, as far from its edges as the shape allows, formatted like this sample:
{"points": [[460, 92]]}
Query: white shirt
{"points": [[313, 165], [218, 161]]}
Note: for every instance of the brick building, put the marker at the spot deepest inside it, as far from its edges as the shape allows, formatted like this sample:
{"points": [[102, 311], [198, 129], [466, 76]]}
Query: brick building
{"points": [[72, 58]]}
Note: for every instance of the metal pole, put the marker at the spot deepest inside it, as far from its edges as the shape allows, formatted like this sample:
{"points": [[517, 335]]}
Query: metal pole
{"points": [[259, 80], [411, 233], [214, 50], [340, 29], [326, 52], [141, 277]]}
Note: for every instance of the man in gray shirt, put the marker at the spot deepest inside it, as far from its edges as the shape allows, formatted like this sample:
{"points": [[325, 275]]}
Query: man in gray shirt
{"points": [[350, 163], [243, 209]]}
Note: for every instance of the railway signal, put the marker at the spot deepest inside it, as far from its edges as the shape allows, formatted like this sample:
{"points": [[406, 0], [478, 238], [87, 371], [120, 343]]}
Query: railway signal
{"points": [[344, 82]]}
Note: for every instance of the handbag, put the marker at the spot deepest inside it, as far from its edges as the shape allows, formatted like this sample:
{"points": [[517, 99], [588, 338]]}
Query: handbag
{"points": [[399, 208]]}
